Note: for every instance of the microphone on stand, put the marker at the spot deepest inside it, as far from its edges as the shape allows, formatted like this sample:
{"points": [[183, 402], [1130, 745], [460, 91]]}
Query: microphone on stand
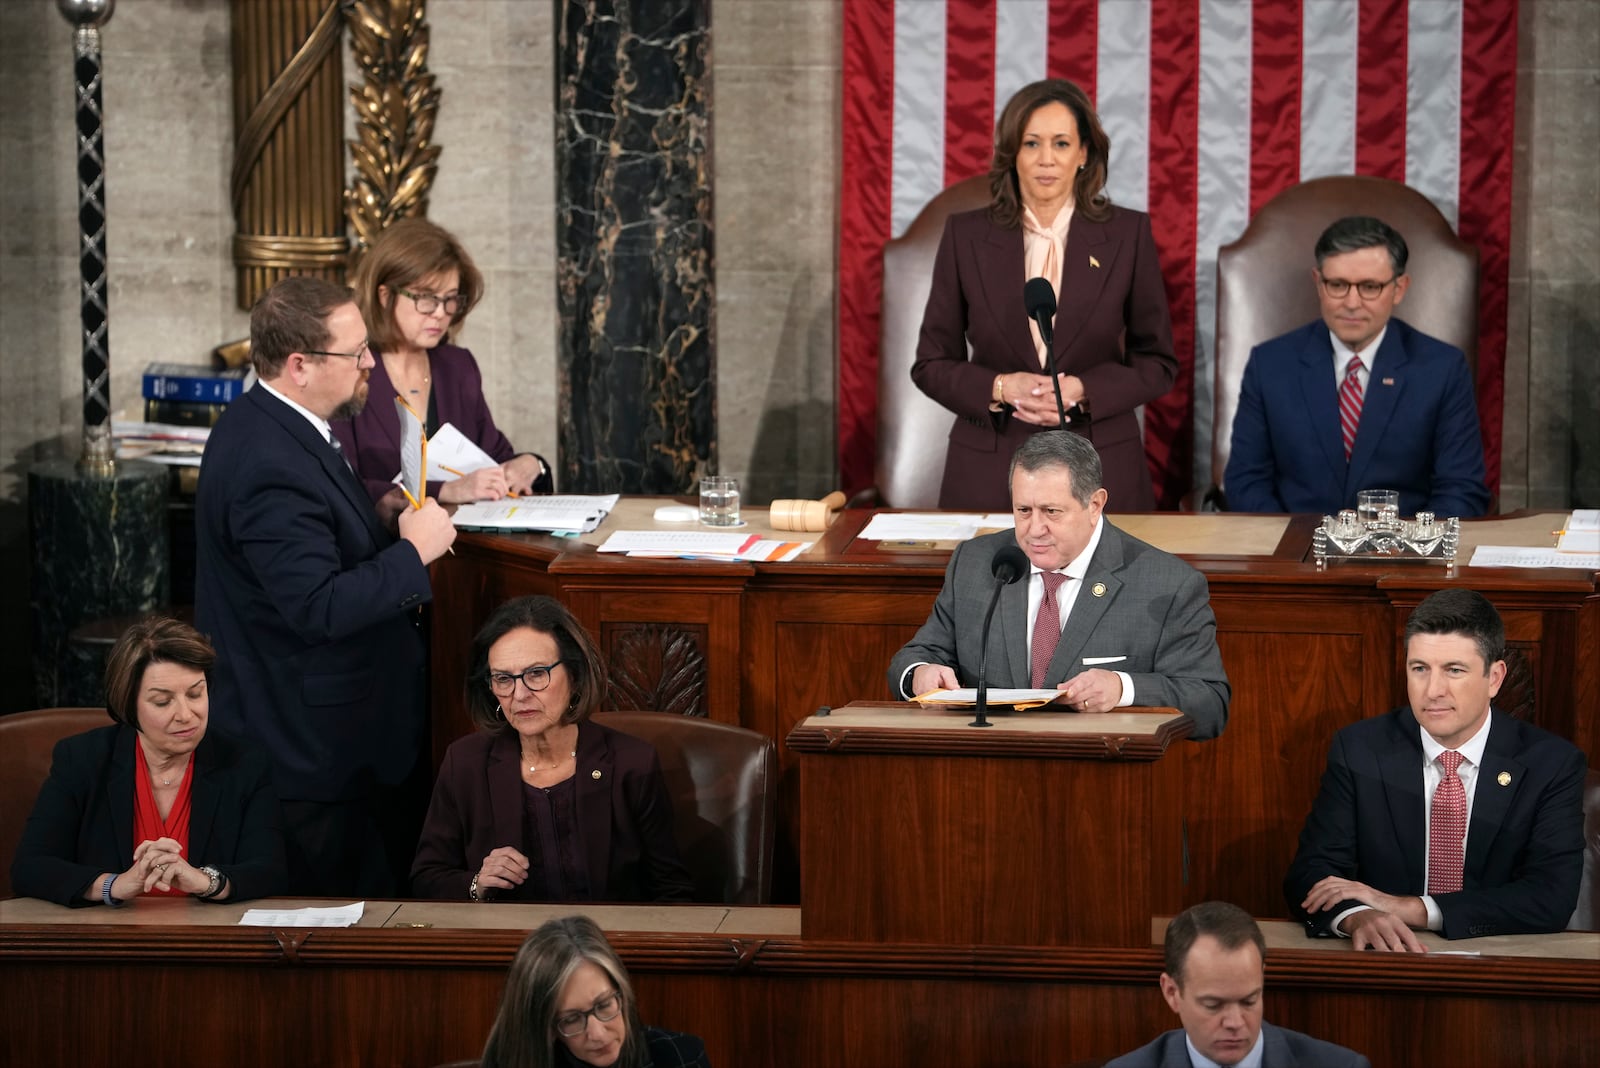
{"points": [[1009, 564], [1040, 300]]}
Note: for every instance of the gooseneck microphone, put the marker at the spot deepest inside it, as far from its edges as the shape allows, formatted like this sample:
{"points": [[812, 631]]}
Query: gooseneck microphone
{"points": [[1009, 564], [1040, 300]]}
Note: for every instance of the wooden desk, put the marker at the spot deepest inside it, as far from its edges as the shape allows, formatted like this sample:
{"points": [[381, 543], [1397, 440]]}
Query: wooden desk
{"points": [[162, 980], [1047, 828], [1308, 650]]}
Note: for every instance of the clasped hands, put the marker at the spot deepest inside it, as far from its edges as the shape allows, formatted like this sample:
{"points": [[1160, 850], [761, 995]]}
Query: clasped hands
{"points": [[159, 865], [503, 869], [1386, 924], [1033, 399], [1095, 690]]}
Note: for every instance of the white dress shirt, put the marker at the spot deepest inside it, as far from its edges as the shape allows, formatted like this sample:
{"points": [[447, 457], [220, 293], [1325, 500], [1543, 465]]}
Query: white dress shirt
{"points": [[311, 417], [1343, 352], [1252, 1059]]}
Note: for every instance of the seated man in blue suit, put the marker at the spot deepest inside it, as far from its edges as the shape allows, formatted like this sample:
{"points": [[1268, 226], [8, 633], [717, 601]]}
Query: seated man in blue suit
{"points": [[1446, 816], [1359, 400], [1214, 976]]}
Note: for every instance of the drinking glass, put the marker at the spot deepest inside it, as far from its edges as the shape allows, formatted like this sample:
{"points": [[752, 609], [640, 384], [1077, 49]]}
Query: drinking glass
{"points": [[719, 501]]}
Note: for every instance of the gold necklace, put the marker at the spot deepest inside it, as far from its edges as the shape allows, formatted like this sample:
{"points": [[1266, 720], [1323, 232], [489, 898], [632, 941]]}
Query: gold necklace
{"points": [[550, 767]]}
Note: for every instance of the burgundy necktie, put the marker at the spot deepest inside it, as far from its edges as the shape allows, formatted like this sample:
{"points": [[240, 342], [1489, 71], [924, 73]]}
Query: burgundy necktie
{"points": [[1447, 828], [1350, 404], [1046, 627]]}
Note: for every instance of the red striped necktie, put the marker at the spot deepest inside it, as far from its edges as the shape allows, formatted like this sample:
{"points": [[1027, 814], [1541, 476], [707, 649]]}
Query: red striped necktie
{"points": [[1350, 404]]}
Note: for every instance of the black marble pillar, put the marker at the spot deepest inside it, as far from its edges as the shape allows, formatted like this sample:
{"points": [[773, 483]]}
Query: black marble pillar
{"points": [[637, 368], [99, 547]]}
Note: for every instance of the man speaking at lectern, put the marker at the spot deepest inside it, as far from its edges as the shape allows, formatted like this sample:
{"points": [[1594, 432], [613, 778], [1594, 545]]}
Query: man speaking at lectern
{"points": [[1123, 623]]}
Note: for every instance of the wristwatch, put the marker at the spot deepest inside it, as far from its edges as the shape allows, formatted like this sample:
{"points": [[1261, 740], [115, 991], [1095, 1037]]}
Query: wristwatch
{"points": [[218, 881], [472, 890]]}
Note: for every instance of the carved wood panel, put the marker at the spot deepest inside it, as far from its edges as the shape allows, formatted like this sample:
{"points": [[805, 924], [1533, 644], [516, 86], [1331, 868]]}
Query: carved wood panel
{"points": [[656, 667]]}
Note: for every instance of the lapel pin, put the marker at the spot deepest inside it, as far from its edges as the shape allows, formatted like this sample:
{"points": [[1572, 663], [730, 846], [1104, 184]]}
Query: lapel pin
{"points": [[1504, 778], [1093, 262], [1099, 589], [595, 774], [1388, 381]]}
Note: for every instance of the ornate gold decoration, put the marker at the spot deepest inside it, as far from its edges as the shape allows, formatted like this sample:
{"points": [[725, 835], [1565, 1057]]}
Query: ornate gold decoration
{"points": [[288, 176], [656, 668], [395, 157]]}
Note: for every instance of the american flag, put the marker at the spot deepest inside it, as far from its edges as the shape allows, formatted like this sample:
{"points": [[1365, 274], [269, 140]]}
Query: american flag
{"points": [[1212, 107]]}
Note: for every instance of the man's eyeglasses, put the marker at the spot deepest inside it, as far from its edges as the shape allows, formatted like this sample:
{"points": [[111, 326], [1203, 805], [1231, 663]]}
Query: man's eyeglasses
{"points": [[1338, 288], [358, 355], [428, 303], [535, 678], [573, 1024]]}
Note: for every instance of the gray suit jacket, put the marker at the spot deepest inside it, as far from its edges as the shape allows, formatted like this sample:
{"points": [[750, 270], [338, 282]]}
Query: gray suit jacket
{"points": [[1284, 1049], [1153, 612]]}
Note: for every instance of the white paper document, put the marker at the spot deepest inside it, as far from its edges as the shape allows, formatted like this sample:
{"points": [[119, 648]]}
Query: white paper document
{"points": [[997, 696], [1584, 519], [919, 526], [452, 454], [413, 453], [332, 916], [563, 514], [1520, 556], [678, 543]]}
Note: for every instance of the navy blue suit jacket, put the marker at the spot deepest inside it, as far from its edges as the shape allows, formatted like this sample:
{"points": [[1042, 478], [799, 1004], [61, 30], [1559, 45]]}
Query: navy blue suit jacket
{"points": [[311, 605], [624, 818], [1283, 1049], [1524, 842], [1418, 432], [81, 825]]}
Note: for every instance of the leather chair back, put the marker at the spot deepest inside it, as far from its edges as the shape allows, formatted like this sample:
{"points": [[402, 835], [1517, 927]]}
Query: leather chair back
{"points": [[722, 780], [913, 429], [1586, 917], [27, 740], [1265, 288]]}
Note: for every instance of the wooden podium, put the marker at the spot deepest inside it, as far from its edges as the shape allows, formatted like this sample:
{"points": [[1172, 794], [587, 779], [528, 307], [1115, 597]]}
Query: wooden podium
{"points": [[1046, 829]]}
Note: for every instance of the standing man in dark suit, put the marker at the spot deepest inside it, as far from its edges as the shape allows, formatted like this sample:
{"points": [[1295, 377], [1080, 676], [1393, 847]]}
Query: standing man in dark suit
{"points": [[1214, 980], [1123, 622], [311, 603], [1446, 816], [1359, 400]]}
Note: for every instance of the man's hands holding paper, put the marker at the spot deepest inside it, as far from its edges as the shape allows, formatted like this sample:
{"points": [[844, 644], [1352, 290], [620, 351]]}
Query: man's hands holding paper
{"points": [[1095, 690], [926, 677]]}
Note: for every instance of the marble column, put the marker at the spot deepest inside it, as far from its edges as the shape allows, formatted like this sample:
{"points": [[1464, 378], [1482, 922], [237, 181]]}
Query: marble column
{"points": [[636, 363], [99, 550]]}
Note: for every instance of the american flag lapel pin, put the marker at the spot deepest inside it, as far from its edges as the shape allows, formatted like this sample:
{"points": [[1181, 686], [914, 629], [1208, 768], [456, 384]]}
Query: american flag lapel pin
{"points": [[1388, 381]]}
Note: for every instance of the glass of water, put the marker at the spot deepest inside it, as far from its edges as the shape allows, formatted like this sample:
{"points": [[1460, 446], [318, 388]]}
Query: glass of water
{"points": [[1371, 504], [719, 501]]}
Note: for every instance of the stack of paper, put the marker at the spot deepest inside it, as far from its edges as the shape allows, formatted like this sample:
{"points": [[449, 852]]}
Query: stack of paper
{"points": [[694, 544], [931, 526], [563, 514], [1577, 545], [164, 443]]}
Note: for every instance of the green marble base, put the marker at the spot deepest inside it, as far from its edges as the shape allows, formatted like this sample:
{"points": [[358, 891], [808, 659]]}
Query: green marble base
{"points": [[100, 549]]}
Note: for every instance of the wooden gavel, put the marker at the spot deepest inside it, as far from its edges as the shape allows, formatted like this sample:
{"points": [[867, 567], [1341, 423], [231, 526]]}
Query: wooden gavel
{"points": [[806, 515]]}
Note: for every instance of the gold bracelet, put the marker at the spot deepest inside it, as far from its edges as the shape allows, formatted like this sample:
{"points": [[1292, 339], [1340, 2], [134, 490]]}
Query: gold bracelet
{"points": [[999, 389]]}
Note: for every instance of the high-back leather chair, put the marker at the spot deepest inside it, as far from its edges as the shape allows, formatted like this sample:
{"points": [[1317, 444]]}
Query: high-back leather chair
{"points": [[914, 429], [1265, 288], [27, 740], [722, 780], [1586, 917]]}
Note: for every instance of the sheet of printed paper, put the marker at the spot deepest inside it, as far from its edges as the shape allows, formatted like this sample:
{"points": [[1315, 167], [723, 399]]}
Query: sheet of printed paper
{"points": [[997, 696], [334, 916], [922, 526], [677, 542], [569, 513], [452, 454], [413, 453], [1520, 556]]}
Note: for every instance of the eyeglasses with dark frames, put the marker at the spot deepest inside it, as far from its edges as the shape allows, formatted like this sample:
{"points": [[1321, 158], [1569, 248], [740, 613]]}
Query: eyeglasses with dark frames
{"points": [[358, 355], [535, 677], [428, 303], [1338, 288], [605, 1009]]}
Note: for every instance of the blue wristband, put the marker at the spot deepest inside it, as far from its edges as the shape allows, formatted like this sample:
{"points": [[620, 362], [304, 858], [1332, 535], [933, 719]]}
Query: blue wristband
{"points": [[105, 892]]}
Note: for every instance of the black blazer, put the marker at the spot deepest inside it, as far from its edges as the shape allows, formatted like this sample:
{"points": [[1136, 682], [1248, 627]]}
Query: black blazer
{"points": [[311, 605], [1524, 843], [82, 824], [624, 815]]}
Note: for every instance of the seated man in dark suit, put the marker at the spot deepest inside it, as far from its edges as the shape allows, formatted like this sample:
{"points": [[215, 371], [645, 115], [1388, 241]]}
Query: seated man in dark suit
{"points": [[1359, 400], [1446, 816], [1214, 976], [1123, 622]]}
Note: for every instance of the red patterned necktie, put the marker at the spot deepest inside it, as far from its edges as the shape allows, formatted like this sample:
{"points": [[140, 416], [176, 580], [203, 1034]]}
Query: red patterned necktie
{"points": [[1447, 828], [1350, 404], [1046, 627]]}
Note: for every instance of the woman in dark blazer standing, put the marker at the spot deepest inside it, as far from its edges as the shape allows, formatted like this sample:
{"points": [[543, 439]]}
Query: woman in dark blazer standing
{"points": [[543, 804], [153, 804], [1049, 218]]}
